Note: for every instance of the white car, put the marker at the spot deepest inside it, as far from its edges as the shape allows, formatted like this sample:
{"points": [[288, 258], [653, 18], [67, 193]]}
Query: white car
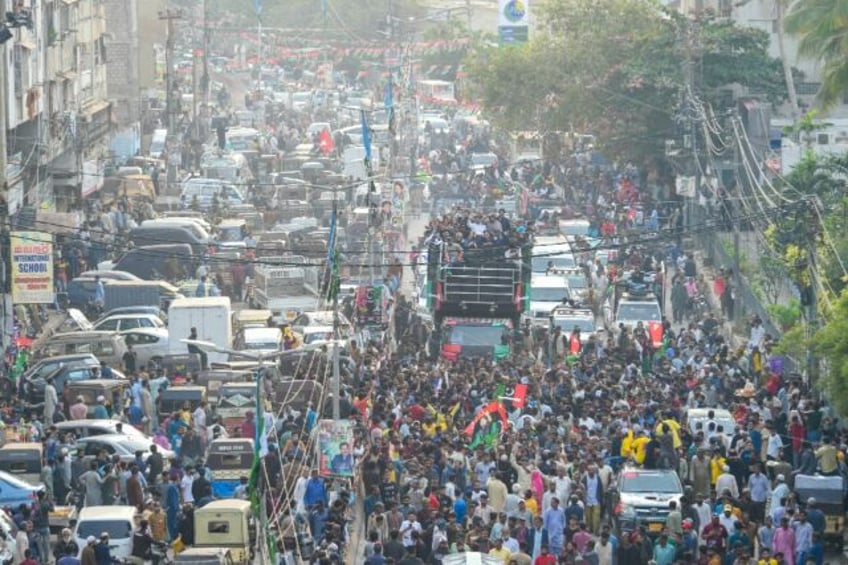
{"points": [[121, 322], [321, 318], [121, 445], [546, 293], [149, 344], [89, 428], [317, 334]]}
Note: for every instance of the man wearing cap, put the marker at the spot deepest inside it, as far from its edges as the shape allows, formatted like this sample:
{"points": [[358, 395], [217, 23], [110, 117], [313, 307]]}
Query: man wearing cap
{"points": [[102, 553], [499, 551], [715, 535], [99, 411], [781, 490], [815, 516], [88, 556], [78, 410], [726, 482]]}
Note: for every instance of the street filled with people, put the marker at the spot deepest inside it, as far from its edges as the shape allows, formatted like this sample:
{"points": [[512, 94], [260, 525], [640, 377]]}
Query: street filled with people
{"points": [[334, 336]]}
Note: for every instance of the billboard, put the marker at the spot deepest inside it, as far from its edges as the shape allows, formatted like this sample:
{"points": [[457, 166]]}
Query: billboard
{"points": [[335, 448], [32, 267], [513, 21]]}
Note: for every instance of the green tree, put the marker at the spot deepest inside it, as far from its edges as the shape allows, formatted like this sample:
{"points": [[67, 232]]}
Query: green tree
{"points": [[616, 68], [822, 26], [831, 341]]}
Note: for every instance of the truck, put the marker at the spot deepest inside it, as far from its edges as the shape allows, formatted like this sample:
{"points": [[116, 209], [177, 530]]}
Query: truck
{"points": [[210, 315], [482, 288], [120, 294], [286, 290]]}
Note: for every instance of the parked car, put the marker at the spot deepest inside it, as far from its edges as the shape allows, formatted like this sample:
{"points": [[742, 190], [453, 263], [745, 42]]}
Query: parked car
{"points": [[149, 344], [121, 322], [321, 318], [117, 444], [14, 492], [123, 310], [44, 367], [89, 428], [81, 289], [62, 376]]}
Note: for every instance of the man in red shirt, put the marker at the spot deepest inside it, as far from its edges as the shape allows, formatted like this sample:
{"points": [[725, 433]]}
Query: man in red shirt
{"points": [[715, 535], [545, 558]]}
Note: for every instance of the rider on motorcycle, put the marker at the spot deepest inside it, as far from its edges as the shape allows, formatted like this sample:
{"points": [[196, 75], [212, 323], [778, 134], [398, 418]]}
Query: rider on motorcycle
{"points": [[142, 543]]}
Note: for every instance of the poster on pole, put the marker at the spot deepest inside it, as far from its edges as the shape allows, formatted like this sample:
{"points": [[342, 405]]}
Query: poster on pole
{"points": [[335, 448], [32, 267]]}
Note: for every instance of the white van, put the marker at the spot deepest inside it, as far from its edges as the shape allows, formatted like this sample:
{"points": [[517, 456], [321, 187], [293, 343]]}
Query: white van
{"points": [[157, 144], [263, 340], [117, 521]]}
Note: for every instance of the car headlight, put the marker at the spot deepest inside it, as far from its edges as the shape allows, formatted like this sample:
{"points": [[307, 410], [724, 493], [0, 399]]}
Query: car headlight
{"points": [[625, 510]]}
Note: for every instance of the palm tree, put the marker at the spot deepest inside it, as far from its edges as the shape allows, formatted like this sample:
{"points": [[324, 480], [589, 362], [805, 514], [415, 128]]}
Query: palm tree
{"points": [[822, 26]]}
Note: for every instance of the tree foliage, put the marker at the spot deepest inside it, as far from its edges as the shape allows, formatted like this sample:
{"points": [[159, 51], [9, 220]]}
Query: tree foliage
{"points": [[831, 341], [822, 26], [616, 68]]}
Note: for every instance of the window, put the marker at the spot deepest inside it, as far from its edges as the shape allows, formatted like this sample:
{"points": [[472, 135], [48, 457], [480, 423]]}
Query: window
{"points": [[108, 325], [218, 527], [807, 88]]}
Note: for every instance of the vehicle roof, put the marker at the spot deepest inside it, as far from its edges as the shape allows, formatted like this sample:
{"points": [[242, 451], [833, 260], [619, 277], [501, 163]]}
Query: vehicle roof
{"points": [[109, 274], [238, 385], [183, 388], [129, 315], [106, 512], [246, 441], [224, 504], [105, 383], [117, 438], [548, 281], [67, 358], [317, 329], [201, 301], [572, 313], [704, 412], [81, 335], [158, 332], [88, 422], [22, 445], [231, 222], [263, 332]]}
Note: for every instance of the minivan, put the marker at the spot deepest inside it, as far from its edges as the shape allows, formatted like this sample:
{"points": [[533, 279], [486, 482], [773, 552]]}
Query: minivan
{"points": [[205, 190], [158, 235], [108, 347], [157, 144], [149, 262], [117, 521]]}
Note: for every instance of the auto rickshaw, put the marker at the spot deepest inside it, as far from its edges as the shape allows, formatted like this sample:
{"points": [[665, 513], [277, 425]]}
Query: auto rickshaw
{"points": [[214, 378], [829, 493], [235, 400], [228, 460], [181, 365], [113, 390], [176, 398], [226, 523], [23, 460], [204, 556]]}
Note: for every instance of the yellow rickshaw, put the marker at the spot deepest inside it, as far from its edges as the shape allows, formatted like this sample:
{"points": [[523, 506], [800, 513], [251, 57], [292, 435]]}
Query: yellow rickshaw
{"points": [[226, 523]]}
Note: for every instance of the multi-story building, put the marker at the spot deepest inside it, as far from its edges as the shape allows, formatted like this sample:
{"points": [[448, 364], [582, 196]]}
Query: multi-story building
{"points": [[57, 112], [762, 14]]}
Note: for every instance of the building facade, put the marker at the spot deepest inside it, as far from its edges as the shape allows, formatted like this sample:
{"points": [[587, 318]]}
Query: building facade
{"points": [[58, 115]]}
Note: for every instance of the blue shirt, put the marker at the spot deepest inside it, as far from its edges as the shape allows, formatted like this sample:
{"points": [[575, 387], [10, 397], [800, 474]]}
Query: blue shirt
{"points": [[460, 508], [315, 492], [555, 524], [68, 560], [759, 485]]}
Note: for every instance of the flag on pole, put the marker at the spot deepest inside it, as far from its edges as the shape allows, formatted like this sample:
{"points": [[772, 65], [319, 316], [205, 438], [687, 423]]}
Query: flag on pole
{"points": [[259, 425], [257, 7], [366, 141], [325, 142]]}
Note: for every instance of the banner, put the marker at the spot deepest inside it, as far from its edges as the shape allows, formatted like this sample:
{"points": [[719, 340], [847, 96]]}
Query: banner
{"points": [[335, 448], [32, 267], [513, 21]]}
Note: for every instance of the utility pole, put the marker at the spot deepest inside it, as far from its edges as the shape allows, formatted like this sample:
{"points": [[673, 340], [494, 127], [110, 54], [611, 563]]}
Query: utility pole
{"points": [[205, 80], [169, 16], [334, 288], [738, 312], [468, 17], [5, 251]]}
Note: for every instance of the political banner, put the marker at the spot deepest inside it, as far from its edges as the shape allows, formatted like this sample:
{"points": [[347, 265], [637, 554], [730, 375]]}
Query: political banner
{"points": [[32, 267], [335, 448]]}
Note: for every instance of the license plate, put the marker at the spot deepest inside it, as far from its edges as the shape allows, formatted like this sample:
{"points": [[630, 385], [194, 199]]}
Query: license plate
{"points": [[655, 527]]}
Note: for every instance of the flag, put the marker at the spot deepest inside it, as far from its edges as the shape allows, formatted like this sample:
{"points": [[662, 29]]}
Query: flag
{"points": [[366, 141], [253, 483], [387, 102], [325, 142], [519, 396], [257, 8]]}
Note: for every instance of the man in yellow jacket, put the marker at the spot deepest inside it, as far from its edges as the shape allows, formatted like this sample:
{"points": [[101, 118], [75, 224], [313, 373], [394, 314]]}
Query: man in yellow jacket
{"points": [[673, 427]]}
